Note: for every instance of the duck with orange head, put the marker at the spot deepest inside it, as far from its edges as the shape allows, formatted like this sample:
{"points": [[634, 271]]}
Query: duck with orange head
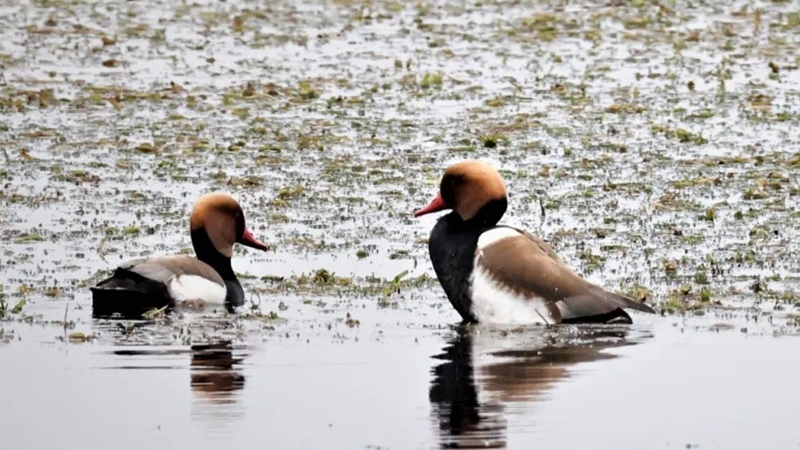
{"points": [[503, 275], [216, 224]]}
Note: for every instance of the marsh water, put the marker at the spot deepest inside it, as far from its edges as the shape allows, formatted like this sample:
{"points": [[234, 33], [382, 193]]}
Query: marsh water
{"points": [[653, 144], [652, 385]]}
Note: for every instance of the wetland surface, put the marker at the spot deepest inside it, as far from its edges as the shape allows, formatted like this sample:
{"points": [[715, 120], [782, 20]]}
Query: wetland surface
{"points": [[654, 144]]}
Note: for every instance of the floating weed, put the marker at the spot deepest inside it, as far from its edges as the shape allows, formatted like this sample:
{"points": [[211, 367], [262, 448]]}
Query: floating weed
{"points": [[78, 177], [685, 299], [638, 23], [495, 102], [755, 193], [759, 233], [638, 292], [131, 230], [322, 276], [680, 134], [701, 114], [81, 338], [671, 268], [306, 91], [591, 261], [242, 112], [147, 148], [431, 79], [155, 313], [491, 140], [625, 108], [400, 254], [701, 277], [278, 218], [248, 181], [542, 24], [694, 182], [288, 193], [709, 215], [18, 307], [28, 238], [464, 149]]}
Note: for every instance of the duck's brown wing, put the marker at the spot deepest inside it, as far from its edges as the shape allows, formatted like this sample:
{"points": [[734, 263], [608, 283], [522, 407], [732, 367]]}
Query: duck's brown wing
{"points": [[528, 266], [161, 269]]}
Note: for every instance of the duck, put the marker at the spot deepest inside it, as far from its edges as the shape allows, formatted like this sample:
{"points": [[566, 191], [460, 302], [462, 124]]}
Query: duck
{"points": [[499, 274], [217, 223]]}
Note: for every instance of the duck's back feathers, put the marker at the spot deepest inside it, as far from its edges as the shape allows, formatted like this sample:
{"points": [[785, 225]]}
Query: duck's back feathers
{"points": [[163, 268], [143, 284], [527, 274]]}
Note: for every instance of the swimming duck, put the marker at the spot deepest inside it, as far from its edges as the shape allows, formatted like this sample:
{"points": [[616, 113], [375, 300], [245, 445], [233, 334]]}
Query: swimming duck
{"points": [[216, 224], [500, 274]]}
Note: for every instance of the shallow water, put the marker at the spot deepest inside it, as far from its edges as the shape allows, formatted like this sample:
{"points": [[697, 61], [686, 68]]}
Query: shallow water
{"points": [[653, 144], [658, 384]]}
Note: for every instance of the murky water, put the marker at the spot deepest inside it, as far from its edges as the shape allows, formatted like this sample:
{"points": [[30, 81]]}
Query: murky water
{"points": [[653, 143]]}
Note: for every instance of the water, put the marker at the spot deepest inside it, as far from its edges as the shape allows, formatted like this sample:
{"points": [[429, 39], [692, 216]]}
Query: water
{"points": [[658, 384]]}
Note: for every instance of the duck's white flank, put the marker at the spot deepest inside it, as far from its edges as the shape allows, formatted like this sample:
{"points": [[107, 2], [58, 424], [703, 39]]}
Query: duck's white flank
{"points": [[489, 237], [192, 287], [496, 303]]}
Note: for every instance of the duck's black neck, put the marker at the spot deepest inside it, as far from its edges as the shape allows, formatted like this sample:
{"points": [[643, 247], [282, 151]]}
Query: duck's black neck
{"points": [[206, 252], [489, 215], [452, 246]]}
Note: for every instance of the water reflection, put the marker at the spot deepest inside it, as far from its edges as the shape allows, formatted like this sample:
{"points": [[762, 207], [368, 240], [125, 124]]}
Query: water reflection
{"points": [[484, 371], [215, 377]]}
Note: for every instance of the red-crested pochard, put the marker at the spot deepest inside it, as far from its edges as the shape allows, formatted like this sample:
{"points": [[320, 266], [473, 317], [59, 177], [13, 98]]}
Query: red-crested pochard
{"points": [[217, 222], [503, 275]]}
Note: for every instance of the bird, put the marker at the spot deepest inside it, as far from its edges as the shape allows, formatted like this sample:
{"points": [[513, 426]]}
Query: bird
{"points": [[217, 223], [499, 274]]}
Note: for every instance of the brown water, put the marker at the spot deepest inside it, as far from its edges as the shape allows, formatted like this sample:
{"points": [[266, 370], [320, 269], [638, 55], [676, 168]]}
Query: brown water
{"points": [[654, 144]]}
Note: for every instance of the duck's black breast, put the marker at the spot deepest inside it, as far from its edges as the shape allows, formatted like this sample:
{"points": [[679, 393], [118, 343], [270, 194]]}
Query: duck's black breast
{"points": [[452, 248]]}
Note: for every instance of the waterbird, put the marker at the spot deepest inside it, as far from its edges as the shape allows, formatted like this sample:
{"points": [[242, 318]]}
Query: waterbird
{"points": [[216, 224], [499, 274]]}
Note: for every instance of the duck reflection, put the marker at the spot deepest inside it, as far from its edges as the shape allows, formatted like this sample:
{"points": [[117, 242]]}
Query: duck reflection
{"points": [[215, 375], [217, 380], [483, 370]]}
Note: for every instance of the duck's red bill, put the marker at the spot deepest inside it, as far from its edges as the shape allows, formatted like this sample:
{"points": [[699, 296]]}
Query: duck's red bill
{"points": [[437, 204], [249, 240]]}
